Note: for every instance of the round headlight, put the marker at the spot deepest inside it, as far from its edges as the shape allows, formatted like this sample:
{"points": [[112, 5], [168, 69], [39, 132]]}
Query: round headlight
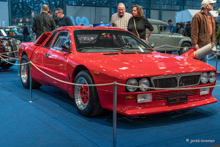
{"points": [[204, 78], [212, 77], [132, 82], [145, 84]]}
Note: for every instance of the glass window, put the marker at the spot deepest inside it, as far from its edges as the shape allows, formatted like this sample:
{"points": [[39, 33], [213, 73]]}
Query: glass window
{"points": [[48, 44], [164, 29], [61, 39], [107, 41]]}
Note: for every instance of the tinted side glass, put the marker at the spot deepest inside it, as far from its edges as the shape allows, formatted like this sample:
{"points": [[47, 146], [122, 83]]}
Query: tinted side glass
{"points": [[50, 40]]}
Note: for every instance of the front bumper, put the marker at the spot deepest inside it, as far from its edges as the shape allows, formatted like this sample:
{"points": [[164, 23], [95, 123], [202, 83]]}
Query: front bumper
{"points": [[132, 108]]}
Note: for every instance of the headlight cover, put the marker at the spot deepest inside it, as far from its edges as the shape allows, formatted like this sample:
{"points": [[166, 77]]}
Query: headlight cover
{"points": [[212, 77], [145, 84], [132, 82], [204, 78]]}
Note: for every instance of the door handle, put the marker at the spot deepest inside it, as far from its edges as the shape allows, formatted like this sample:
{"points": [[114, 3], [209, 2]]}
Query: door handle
{"points": [[47, 54]]}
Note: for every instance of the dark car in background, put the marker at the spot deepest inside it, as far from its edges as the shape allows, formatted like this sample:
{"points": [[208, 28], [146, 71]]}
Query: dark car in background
{"points": [[8, 50]]}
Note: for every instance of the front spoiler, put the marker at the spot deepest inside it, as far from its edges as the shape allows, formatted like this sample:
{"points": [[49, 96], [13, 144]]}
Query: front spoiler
{"points": [[133, 111]]}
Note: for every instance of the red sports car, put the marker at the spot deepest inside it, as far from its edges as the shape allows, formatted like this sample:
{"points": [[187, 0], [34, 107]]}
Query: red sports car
{"points": [[86, 55]]}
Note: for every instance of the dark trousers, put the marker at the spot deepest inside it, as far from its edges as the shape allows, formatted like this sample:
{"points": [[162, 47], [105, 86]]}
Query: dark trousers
{"points": [[25, 38]]}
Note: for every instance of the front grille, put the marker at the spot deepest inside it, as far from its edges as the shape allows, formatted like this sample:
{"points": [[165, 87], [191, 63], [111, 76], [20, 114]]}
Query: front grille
{"points": [[165, 83], [175, 81], [189, 80], [164, 95]]}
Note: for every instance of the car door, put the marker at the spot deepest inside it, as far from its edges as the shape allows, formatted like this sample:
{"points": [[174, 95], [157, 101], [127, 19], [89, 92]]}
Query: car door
{"points": [[55, 60], [38, 56], [166, 38]]}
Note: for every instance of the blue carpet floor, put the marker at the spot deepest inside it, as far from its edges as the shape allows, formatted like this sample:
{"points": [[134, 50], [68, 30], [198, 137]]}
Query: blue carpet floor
{"points": [[52, 120]]}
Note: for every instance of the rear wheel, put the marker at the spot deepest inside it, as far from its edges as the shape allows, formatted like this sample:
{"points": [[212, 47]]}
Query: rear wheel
{"points": [[86, 97], [24, 74], [184, 47]]}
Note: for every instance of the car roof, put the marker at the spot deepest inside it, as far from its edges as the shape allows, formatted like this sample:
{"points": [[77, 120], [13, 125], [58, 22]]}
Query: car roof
{"points": [[157, 22], [73, 28]]}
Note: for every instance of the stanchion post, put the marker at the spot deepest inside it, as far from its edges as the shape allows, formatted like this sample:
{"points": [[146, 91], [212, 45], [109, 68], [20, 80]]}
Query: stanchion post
{"points": [[216, 61], [18, 67], [30, 84], [114, 113]]}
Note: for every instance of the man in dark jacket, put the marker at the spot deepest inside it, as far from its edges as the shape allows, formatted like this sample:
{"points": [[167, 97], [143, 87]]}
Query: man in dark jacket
{"points": [[43, 22], [188, 29], [63, 20], [25, 33]]}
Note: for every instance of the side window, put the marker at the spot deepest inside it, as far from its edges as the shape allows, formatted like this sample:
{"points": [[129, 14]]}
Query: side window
{"points": [[50, 40], [164, 29], [62, 41]]}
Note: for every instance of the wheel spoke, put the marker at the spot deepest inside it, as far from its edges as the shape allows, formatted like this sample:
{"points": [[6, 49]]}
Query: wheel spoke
{"points": [[81, 93]]}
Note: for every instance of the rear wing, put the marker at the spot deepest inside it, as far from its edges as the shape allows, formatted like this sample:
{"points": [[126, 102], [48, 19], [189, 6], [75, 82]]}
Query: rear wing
{"points": [[42, 38]]}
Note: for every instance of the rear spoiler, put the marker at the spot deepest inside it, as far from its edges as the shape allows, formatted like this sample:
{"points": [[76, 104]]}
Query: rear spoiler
{"points": [[42, 38]]}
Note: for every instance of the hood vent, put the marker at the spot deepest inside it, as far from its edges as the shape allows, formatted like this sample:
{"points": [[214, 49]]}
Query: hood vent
{"points": [[128, 53], [147, 52], [111, 54]]}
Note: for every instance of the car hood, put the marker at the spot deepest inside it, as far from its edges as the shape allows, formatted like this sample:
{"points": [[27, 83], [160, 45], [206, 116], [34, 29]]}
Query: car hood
{"points": [[141, 65]]}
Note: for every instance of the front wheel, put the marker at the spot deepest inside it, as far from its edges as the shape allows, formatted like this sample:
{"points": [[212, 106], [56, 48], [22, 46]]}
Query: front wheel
{"points": [[185, 47], [86, 97], [24, 74]]}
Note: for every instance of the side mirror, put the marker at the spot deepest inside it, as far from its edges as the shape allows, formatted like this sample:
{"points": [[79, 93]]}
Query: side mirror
{"points": [[65, 47]]}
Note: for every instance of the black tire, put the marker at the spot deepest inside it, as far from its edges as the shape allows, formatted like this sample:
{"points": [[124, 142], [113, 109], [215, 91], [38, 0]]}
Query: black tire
{"points": [[185, 47], [7, 65], [24, 74], [86, 98]]}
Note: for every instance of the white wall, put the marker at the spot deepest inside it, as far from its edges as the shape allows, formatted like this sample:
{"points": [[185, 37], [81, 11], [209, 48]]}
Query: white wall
{"points": [[102, 13], [154, 14], [4, 13], [166, 15]]}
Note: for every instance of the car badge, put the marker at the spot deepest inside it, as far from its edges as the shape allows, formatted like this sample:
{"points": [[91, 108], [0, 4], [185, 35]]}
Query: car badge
{"points": [[178, 77]]}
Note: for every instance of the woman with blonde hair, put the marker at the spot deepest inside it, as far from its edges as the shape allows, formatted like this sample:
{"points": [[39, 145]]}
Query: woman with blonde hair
{"points": [[138, 23]]}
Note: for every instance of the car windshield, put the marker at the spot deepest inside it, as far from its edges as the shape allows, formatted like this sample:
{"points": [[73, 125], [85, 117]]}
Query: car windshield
{"points": [[108, 41], [164, 29]]}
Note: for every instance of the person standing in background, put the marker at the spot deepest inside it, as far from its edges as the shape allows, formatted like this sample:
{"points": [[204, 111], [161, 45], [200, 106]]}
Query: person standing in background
{"points": [[138, 23], [203, 26], [121, 18], [181, 29], [63, 20], [171, 26], [50, 13], [43, 22], [25, 33], [188, 29], [177, 27]]}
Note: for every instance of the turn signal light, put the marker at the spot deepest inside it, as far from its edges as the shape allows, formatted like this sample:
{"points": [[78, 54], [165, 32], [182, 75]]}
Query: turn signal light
{"points": [[130, 97]]}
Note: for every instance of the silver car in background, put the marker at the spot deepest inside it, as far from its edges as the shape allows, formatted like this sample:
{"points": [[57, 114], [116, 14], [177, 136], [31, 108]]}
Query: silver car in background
{"points": [[163, 40]]}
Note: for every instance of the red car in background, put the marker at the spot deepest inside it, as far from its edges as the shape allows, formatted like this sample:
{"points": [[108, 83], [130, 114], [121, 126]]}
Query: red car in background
{"points": [[86, 55]]}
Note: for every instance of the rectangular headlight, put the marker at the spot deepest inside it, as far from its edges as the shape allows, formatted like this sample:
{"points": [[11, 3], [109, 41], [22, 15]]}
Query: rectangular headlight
{"points": [[144, 98], [204, 91]]}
